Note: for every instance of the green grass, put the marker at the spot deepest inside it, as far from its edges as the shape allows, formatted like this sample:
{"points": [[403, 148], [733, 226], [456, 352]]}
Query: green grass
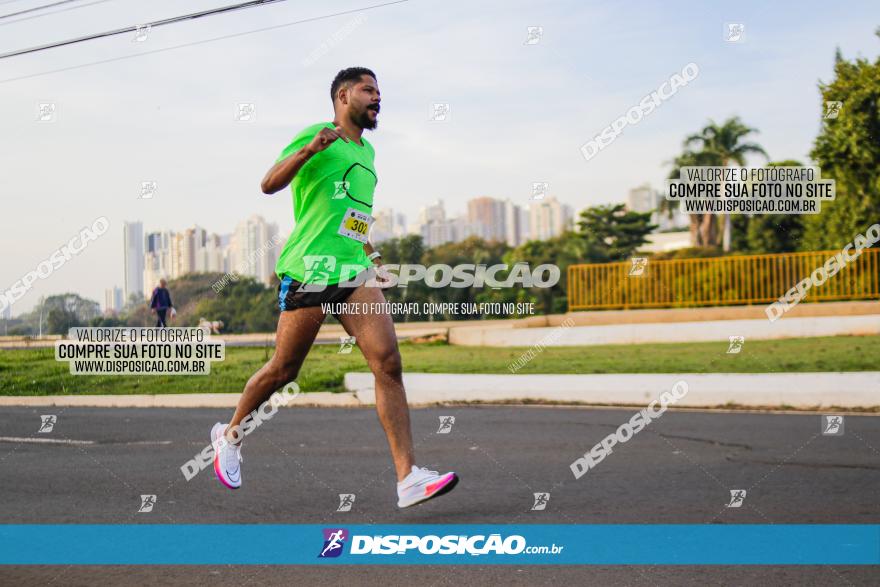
{"points": [[35, 371]]}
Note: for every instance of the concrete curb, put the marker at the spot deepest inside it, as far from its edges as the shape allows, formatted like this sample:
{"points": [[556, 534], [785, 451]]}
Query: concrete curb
{"points": [[757, 390], [183, 400], [800, 390]]}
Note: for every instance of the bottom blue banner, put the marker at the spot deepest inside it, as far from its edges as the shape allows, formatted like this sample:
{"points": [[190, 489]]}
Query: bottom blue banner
{"points": [[271, 544]]}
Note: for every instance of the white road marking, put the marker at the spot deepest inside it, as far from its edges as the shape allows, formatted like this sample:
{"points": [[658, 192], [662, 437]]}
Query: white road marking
{"points": [[69, 441], [44, 440]]}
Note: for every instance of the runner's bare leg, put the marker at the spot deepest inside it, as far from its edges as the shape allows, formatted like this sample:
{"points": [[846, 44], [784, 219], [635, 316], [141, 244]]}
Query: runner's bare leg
{"points": [[374, 335], [296, 332]]}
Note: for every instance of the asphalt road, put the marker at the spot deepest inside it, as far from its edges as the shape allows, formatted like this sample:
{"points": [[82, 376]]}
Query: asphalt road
{"points": [[679, 470]]}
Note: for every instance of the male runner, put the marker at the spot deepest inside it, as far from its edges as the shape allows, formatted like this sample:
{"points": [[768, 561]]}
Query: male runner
{"points": [[331, 169]]}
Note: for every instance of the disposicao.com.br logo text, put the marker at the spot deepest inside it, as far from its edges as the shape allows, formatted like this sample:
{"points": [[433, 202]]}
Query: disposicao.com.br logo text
{"points": [[452, 544]]}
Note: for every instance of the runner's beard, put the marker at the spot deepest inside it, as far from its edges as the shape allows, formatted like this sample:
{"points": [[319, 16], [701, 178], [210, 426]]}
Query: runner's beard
{"points": [[363, 120]]}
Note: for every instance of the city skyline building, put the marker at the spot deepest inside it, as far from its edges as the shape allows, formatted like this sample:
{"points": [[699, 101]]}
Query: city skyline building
{"points": [[548, 218], [645, 199], [133, 258], [113, 300]]}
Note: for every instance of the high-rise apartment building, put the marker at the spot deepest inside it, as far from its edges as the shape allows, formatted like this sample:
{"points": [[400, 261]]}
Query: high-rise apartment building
{"points": [[548, 218], [133, 258]]}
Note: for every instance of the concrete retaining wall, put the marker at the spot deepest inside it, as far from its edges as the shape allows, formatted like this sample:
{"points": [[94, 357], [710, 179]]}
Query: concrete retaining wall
{"points": [[801, 390], [718, 330]]}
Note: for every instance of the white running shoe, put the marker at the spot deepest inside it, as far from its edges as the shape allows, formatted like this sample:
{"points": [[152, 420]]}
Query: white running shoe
{"points": [[422, 484], [227, 457]]}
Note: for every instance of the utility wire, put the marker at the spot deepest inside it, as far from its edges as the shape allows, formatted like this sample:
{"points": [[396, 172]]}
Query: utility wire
{"points": [[130, 29], [211, 40], [8, 2], [34, 9], [54, 12]]}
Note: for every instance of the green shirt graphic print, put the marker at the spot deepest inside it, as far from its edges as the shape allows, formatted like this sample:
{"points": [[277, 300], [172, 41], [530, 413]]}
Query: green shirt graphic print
{"points": [[332, 208]]}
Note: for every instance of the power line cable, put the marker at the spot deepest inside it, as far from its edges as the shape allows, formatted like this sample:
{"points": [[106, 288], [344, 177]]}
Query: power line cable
{"points": [[130, 29], [8, 2], [204, 41], [53, 12], [35, 8]]}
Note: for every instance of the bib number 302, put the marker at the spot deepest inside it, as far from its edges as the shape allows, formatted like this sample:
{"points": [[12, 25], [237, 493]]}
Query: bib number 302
{"points": [[356, 225]]}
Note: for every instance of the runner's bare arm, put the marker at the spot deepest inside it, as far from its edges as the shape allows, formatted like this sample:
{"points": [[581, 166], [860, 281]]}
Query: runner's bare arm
{"points": [[369, 250], [283, 172]]}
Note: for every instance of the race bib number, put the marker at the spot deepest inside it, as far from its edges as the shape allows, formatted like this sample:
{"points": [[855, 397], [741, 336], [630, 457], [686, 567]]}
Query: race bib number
{"points": [[356, 225]]}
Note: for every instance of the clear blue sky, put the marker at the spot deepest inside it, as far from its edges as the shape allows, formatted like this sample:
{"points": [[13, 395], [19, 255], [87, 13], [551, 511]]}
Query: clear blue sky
{"points": [[519, 112]]}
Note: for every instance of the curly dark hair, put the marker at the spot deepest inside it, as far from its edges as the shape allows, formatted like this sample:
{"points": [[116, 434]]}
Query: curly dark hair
{"points": [[348, 76]]}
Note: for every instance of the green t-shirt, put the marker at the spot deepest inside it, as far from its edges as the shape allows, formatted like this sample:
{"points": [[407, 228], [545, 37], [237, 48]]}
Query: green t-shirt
{"points": [[332, 207]]}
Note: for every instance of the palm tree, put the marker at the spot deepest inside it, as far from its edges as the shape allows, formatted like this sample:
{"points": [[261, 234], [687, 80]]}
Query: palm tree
{"points": [[703, 230], [725, 145]]}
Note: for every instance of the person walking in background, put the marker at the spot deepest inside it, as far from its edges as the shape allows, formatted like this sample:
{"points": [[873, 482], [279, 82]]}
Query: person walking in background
{"points": [[160, 303]]}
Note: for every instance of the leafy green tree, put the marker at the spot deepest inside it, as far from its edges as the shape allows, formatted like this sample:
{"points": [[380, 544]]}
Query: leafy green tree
{"points": [[605, 234], [769, 233], [848, 151], [244, 305], [611, 233], [61, 312], [471, 251], [409, 250], [107, 322], [725, 143], [561, 251], [60, 320]]}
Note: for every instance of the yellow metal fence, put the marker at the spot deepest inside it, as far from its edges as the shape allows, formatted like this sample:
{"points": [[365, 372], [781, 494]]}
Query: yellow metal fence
{"points": [[745, 279]]}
